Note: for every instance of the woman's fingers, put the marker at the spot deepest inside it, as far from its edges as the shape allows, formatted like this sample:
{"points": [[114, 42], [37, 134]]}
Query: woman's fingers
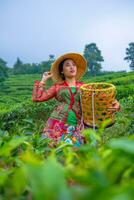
{"points": [[46, 75], [115, 107], [111, 110]]}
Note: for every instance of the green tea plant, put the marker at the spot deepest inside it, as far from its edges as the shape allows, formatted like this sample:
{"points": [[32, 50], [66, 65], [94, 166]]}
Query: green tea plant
{"points": [[29, 169], [102, 168]]}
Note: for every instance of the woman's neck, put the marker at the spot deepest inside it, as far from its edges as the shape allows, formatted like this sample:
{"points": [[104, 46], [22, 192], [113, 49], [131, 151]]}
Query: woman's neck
{"points": [[71, 81]]}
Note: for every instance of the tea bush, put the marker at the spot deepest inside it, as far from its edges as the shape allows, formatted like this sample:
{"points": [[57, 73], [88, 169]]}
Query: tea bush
{"points": [[29, 169]]}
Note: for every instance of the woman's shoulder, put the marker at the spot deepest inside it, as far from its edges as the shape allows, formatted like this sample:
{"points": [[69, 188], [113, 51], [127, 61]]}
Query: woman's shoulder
{"points": [[59, 85], [80, 83]]}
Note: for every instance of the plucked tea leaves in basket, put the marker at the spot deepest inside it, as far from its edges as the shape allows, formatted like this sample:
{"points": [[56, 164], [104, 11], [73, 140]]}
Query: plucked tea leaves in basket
{"points": [[96, 98]]}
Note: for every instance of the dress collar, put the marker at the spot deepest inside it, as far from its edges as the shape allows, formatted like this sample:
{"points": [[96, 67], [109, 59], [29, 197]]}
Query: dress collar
{"points": [[76, 83]]}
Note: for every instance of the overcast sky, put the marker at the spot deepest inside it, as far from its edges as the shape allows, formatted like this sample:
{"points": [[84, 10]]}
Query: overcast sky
{"points": [[33, 29]]}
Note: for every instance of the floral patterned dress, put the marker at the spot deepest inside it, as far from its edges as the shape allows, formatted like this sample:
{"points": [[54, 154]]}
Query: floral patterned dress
{"points": [[56, 127]]}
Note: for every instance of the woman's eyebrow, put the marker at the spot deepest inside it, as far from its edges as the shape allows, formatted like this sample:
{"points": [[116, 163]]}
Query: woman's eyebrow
{"points": [[69, 62]]}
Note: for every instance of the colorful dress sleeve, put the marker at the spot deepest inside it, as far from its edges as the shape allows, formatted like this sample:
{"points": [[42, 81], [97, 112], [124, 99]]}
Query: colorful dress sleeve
{"points": [[39, 94]]}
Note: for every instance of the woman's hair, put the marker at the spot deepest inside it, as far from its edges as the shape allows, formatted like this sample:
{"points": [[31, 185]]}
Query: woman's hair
{"points": [[61, 68]]}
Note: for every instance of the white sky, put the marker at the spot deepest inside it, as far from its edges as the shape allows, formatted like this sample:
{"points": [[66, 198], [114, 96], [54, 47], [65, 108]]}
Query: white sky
{"points": [[33, 29]]}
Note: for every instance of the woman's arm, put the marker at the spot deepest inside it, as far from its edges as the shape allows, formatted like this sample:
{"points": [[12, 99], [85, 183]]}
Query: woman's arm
{"points": [[39, 94]]}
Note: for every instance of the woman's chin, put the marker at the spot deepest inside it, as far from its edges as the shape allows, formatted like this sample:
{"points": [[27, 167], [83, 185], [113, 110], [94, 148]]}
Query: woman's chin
{"points": [[72, 76]]}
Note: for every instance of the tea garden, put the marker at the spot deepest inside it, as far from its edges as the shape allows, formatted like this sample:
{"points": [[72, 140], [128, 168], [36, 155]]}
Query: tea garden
{"points": [[103, 168]]}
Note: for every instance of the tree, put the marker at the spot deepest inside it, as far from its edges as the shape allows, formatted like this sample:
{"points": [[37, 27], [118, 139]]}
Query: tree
{"points": [[27, 68], [130, 55], [17, 68], [35, 68], [3, 70], [51, 57], [46, 65], [94, 58]]}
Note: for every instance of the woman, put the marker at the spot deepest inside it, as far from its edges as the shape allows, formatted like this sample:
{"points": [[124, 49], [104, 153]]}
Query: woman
{"points": [[65, 122]]}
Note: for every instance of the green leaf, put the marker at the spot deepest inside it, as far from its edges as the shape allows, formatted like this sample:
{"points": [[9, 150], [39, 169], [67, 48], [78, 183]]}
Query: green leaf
{"points": [[123, 144], [3, 176], [46, 179], [19, 181], [11, 145]]}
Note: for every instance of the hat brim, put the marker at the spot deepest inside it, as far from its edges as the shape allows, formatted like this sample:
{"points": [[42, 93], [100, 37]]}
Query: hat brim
{"points": [[79, 60]]}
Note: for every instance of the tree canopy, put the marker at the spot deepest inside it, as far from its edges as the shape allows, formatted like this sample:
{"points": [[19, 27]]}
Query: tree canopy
{"points": [[3, 70], [130, 55], [93, 57], [20, 68]]}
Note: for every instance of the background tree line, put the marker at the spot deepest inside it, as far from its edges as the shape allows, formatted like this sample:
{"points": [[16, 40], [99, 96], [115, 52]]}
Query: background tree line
{"points": [[35, 68], [3, 70], [91, 53]]}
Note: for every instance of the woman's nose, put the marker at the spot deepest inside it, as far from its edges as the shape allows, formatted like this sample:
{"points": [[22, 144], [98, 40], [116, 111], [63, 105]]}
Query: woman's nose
{"points": [[72, 66]]}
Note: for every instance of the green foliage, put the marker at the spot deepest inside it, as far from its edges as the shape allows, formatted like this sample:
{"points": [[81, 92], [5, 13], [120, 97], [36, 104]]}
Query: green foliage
{"points": [[130, 55], [29, 169], [3, 70], [17, 66], [22, 116], [93, 57], [45, 65], [26, 68], [93, 171], [125, 91]]}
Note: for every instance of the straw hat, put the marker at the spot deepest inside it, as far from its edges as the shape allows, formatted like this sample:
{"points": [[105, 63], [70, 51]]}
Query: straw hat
{"points": [[77, 58]]}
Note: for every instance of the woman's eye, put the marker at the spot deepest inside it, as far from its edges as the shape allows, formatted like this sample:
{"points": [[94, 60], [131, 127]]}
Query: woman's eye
{"points": [[70, 64]]}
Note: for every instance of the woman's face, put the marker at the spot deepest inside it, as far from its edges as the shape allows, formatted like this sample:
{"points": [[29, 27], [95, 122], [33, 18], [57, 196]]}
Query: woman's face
{"points": [[69, 68]]}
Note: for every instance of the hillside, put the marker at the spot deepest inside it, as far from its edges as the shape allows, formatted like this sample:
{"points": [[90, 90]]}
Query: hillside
{"points": [[29, 169]]}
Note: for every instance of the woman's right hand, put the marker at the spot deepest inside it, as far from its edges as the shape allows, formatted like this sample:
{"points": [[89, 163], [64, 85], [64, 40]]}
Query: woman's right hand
{"points": [[46, 76]]}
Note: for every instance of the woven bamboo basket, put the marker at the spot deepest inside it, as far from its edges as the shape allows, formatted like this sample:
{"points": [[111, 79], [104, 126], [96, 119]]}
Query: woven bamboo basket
{"points": [[96, 99]]}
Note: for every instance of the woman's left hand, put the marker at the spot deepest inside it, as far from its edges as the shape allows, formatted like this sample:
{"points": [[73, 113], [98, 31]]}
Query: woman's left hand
{"points": [[115, 107]]}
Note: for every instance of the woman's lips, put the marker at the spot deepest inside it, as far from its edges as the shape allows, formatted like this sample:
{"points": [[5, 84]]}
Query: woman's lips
{"points": [[72, 71]]}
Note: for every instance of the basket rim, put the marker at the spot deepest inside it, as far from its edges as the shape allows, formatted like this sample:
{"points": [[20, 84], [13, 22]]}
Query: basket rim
{"points": [[111, 86]]}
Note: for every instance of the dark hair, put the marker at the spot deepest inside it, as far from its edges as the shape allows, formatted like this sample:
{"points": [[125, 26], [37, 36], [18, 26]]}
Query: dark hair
{"points": [[61, 68]]}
